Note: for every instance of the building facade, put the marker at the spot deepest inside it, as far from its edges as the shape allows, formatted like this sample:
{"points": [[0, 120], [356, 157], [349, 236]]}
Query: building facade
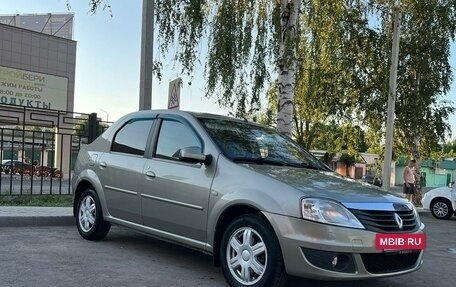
{"points": [[36, 69], [37, 79]]}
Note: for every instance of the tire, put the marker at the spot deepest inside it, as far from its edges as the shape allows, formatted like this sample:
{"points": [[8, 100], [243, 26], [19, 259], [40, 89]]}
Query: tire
{"points": [[89, 217], [441, 208], [247, 234]]}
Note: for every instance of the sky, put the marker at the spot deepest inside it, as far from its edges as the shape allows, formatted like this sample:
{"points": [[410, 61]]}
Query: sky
{"points": [[108, 60]]}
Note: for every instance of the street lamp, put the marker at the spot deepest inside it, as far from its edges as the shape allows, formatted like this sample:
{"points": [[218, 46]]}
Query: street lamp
{"points": [[107, 114], [391, 98], [147, 39]]}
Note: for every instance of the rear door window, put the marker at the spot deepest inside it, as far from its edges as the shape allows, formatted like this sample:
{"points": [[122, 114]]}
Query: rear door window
{"points": [[132, 138]]}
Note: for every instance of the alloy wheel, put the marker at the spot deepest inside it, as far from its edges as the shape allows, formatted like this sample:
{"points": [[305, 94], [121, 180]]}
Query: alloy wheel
{"points": [[440, 209], [87, 213], [246, 255]]}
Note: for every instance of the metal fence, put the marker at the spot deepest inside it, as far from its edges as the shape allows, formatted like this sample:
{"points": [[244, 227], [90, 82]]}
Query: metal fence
{"points": [[38, 148]]}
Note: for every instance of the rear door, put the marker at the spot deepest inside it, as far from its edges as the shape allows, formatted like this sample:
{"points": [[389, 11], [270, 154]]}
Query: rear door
{"points": [[175, 194], [120, 169]]}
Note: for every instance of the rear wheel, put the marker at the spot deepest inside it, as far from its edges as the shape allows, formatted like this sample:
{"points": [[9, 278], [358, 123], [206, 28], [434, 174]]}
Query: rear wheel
{"points": [[250, 254], [441, 208], [89, 218]]}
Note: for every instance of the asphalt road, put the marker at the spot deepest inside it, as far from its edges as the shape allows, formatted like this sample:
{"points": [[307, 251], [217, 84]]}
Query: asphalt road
{"points": [[57, 256]]}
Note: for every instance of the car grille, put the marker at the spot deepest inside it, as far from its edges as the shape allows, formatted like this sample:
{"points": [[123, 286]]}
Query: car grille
{"points": [[387, 263], [385, 221]]}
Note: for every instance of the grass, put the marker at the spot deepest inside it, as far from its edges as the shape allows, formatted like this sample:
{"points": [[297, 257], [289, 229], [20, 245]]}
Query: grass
{"points": [[37, 200]]}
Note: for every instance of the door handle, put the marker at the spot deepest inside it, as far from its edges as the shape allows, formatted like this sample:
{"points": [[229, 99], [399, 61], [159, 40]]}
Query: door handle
{"points": [[150, 174], [103, 164]]}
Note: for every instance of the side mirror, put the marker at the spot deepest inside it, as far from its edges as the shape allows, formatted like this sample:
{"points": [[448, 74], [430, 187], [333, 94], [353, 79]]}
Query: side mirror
{"points": [[194, 154]]}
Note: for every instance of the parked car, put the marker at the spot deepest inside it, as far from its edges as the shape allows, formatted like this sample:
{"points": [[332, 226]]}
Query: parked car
{"points": [[441, 202], [3, 162], [372, 179], [262, 205], [16, 167]]}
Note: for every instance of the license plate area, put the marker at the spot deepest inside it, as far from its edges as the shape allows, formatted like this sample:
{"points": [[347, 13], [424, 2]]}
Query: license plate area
{"points": [[404, 242]]}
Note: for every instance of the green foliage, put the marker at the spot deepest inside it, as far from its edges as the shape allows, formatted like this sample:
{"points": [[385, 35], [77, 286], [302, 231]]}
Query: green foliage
{"points": [[37, 200], [348, 159], [424, 73], [335, 52], [181, 23], [239, 36], [269, 117], [343, 55], [82, 128], [344, 71]]}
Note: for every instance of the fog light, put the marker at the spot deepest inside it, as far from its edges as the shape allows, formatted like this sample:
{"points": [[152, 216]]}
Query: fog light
{"points": [[332, 261], [340, 262]]}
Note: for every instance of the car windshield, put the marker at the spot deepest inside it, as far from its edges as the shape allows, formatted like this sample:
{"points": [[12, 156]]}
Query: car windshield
{"points": [[246, 142]]}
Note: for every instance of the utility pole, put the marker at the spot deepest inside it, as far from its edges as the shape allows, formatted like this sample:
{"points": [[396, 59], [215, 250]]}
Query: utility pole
{"points": [[147, 40], [391, 98]]}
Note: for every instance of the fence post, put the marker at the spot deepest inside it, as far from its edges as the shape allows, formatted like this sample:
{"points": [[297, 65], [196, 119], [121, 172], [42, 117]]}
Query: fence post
{"points": [[93, 127]]}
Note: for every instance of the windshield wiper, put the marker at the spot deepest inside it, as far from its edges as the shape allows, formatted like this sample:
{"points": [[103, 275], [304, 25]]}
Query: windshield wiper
{"points": [[308, 165]]}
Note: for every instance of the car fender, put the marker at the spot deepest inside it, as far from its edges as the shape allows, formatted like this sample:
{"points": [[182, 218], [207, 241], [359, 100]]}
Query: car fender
{"points": [[443, 192], [240, 197]]}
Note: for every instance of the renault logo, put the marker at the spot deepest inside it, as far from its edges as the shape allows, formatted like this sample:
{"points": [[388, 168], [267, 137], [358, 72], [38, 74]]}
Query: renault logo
{"points": [[398, 220]]}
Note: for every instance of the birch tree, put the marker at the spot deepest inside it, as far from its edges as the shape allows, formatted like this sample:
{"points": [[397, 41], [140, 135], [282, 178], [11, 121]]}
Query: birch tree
{"points": [[248, 41], [330, 64], [287, 64]]}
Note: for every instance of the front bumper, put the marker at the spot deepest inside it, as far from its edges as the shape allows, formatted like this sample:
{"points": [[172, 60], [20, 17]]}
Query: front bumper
{"points": [[309, 249]]}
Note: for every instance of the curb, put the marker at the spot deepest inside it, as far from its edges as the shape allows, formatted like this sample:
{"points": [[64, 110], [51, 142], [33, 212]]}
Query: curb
{"points": [[22, 216], [29, 221], [422, 210]]}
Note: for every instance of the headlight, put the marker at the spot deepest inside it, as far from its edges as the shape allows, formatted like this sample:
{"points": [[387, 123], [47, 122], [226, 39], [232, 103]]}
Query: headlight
{"points": [[329, 212], [418, 219]]}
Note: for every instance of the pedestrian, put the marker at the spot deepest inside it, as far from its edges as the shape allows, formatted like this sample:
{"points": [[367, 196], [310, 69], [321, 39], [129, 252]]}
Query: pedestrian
{"points": [[409, 180]]}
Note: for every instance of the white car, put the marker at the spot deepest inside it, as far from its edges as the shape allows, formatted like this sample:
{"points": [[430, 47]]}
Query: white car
{"points": [[441, 202]]}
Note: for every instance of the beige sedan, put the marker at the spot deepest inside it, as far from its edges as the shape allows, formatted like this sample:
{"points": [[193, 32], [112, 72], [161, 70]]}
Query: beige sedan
{"points": [[262, 205]]}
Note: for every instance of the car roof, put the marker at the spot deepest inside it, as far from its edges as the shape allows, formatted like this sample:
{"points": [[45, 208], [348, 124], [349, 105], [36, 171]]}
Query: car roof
{"points": [[198, 115], [8, 160]]}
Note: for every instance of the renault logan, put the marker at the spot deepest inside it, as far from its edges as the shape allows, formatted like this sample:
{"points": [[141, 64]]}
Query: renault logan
{"points": [[263, 206]]}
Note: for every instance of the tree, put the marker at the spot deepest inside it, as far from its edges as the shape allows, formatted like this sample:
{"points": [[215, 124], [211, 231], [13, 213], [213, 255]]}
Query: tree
{"points": [[334, 53], [287, 64], [424, 74], [449, 148], [246, 40]]}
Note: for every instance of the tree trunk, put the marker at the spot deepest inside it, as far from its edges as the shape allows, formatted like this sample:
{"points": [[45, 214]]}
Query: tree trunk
{"points": [[415, 149], [287, 64]]}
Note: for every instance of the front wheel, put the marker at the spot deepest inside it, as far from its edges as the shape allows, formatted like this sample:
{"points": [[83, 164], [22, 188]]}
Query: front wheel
{"points": [[89, 218], [441, 208], [250, 254]]}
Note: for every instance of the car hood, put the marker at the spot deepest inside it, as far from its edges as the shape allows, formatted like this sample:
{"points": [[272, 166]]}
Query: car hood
{"points": [[442, 189], [324, 184]]}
